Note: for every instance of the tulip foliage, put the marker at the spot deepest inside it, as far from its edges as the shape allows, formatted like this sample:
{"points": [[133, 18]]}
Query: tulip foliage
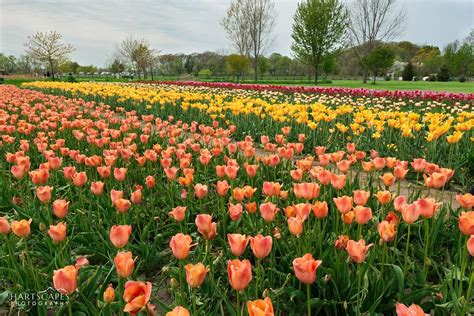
{"points": [[180, 210]]}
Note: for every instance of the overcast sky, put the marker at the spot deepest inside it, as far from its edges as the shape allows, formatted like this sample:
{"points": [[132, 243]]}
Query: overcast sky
{"points": [[186, 26]]}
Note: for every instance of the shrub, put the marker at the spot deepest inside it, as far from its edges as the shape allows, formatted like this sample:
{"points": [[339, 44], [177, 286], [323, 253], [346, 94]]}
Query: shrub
{"points": [[205, 73], [443, 74], [408, 72]]}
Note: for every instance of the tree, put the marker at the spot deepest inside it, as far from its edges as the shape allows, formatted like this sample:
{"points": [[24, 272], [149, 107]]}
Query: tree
{"points": [[236, 65], [318, 30], [236, 26], [47, 49], [443, 74], [128, 49], [372, 22], [408, 72], [116, 66], [379, 60]]}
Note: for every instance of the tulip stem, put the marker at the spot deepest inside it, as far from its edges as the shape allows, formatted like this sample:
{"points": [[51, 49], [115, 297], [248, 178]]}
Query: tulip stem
{"points": [[238, 303], [121, 289], [359, 281], [308, 298], [69, 303], [406, 251], [468, 294], [181, 282], [194, 302], [427, 236]]}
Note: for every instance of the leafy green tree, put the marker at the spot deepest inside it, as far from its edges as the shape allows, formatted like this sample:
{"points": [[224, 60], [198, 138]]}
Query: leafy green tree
{"points": [[236, 65], [443, 74], [408, 72], [205, 73], [116, 66], [318, 29], [379, 60]]}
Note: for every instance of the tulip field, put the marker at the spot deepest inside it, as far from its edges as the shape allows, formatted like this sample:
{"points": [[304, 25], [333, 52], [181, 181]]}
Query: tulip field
{"points": [[186, 198]]}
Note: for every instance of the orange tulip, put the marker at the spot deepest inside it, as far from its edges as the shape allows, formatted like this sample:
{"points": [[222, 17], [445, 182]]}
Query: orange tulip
{"points": [[320, 209], [222, 187], [109, 294], [18, 171], [97, 188], [400, 172], [120, 173], [178, 213], [4, 226], [419, 164], [79, 179], [21, 228], [427, 207], [466, 201], [305, 268], [115, 195], [178, 311], [251, 170], [60, 208], [136, 296], [307, 190], [65, 280], [136, 196], [378, 162], [195, 274], [122, 205], [119, 235], [240, 273], [338, 182], [386, 231], [268, 211], [295, 225], [260, 307], [205, 226], [465, 223], [271, 188], [341, 242], [357, 250], [361, 197], [150, 182], [437, 180], [235, 211], [57, 232], [348, 217], [44, 193], [124, 264], [410, 213], [180, 245], [398, 202], [251, 207], [261, 246], [237, 243], [413, 310], [388, 179], [362, 214], [384, 197], [343, 203], [200, 190]]}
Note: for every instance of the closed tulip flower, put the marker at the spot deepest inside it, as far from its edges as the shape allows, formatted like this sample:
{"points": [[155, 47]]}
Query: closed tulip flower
{"points": [[295, 225], [178, 213], [21, 228], [357, 250], [268, 211], [124, 264], [413, 310], [122, 205], [384, 197], [386, 231], [240, 274], [57, 232], [343, 203], [178, 311], [44, 193], [238, 243], [260, 307], [109, 294], [470, 245], [205, 226], [410, 213], [200, 190], [4, 226], [119, 235], [361, 197], [60, 208], [195, 274], [320, 209], [466, 201], [362, 214], [136, 295], [79, 179], [235, 211], [465, 223], [305, 268], [65, 280], [97, 188], [180, 244], [261, 246], [222, 187]]}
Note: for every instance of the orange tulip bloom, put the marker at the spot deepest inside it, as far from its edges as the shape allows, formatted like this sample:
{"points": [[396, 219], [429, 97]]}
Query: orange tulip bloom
{"points": [[124, 264], [470, 245], [115, 195], [348, 217], [338, 182], [18, 171], [466, 201], [341, 242], [97, 188], [271, 188], [400, 172], [295, 225], [4, 226], [150, 182], [222, 187], [178, 213], [21, 228], [410, 213], [119, 235], [200, 190], [378, 162], [120, 173], [357, 250], [307, 190], [65, 280], [268, 211], [437, 180], [136, 196], [136, 294], [419, 164], [57, 232], [361, 197], [251, 170], [178, 311], [305, 268], [44, 193], [343, 203], [240, 273], [465, 223], [260, 307], [388, 179], [235, 211], [60, 208], [261, 246], [384, 197], [237, 243], [180, 244], [386, 231], [413, 310], [109, 294], [398, 202], [320, 209], [251, 207], [427, 207], [79, 179], [362, 214], [122, 205], [205, 226], [195, 274]]}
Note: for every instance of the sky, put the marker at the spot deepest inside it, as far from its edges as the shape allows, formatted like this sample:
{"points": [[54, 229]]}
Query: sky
{"points": [[187, 26]]}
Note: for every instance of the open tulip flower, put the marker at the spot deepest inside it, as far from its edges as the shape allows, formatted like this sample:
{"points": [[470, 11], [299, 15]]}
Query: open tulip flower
{"points": [[230, 192]]}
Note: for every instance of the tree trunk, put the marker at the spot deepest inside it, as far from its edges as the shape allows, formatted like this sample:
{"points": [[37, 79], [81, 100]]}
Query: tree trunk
{"points": [[256, 69], [52, 69], [365, 75], [375, 76]]}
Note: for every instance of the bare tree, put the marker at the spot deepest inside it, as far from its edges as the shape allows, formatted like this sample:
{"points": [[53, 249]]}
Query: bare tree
{"points": [[249, 25], [236, 26], [372, 22], [48, 50], [129, 49]]}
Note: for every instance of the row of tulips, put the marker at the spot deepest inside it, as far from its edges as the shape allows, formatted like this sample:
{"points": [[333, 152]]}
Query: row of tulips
{"points": [[129, 213], [443, 138]]}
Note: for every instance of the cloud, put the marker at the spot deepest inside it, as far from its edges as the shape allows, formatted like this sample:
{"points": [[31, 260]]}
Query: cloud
{"points": [[174, 26]]}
